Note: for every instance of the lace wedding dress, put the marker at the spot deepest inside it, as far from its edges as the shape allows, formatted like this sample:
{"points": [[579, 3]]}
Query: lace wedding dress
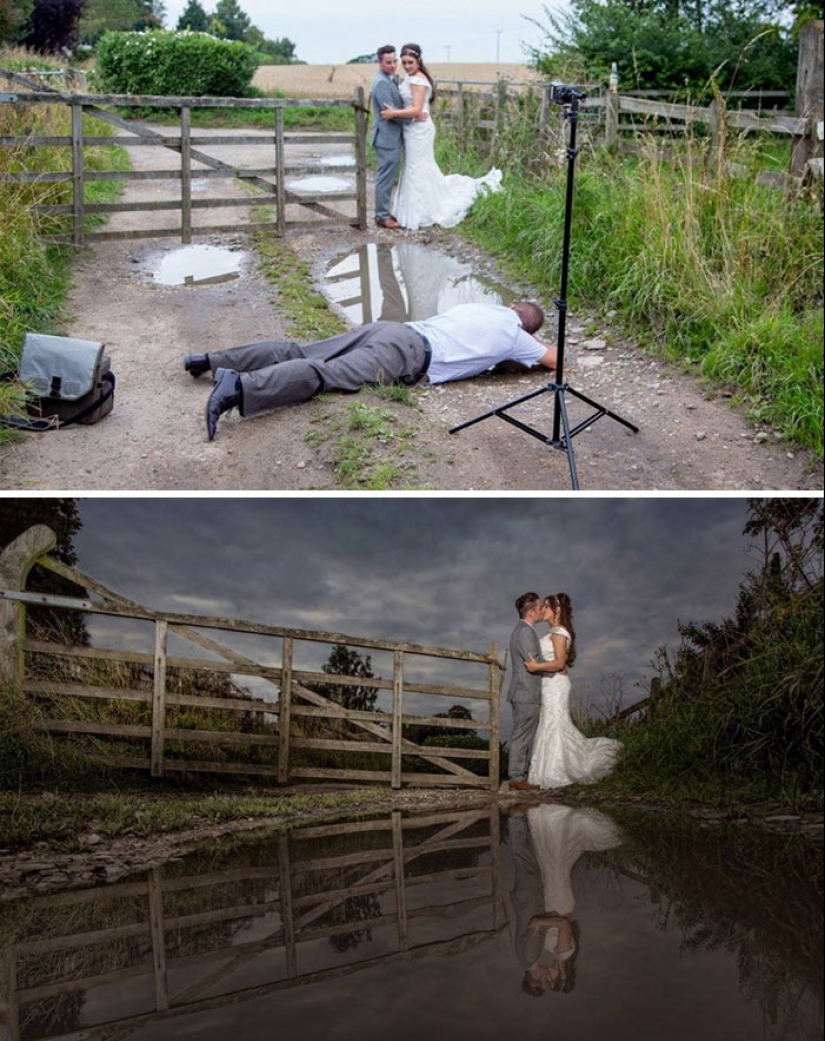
{"points": [[425, 195], [562, 755]]}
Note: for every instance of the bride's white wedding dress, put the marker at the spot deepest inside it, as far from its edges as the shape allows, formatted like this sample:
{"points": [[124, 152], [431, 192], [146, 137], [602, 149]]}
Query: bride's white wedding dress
{"points": [[425, 195], [562, 755]]}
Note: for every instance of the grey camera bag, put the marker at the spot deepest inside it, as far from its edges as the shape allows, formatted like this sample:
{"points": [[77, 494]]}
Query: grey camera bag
{"points": [[71, 381]]}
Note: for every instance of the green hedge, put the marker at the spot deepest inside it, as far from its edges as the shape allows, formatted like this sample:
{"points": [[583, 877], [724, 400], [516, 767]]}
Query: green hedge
{"points": [[174, 64]]}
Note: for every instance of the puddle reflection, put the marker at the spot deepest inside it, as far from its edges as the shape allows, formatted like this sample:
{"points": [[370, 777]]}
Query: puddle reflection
{"points": [[441, 925], [197, 266], [406, 282]]}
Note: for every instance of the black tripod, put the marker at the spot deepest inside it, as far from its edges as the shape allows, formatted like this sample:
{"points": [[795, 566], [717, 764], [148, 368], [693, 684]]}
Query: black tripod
{"points": [[562, 436]]}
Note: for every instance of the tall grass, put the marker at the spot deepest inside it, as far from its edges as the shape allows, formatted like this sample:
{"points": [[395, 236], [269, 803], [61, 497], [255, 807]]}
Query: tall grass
{"points": [[700, 261], [34, 276]]}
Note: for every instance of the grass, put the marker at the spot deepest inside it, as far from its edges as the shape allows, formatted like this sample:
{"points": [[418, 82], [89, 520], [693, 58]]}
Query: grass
{"points": [[369, 445], [34, 275], [64, 819], [704, 266]]}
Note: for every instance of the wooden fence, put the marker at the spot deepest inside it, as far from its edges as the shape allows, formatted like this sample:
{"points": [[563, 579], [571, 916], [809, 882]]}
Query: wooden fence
{"points": [[268, 180], [186, 943], [275, 730]]}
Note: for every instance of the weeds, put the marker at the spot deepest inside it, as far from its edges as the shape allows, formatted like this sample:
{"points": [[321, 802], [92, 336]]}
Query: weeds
{"points": [[698, 259]]}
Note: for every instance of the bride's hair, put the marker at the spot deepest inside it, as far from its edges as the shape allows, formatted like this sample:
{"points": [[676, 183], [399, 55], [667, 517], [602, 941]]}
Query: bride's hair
{"points": [[561, 602], [415, 51]]}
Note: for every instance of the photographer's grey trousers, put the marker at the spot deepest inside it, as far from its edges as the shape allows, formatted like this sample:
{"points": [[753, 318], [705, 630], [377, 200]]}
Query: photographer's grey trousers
{"points": [[280, 372]]}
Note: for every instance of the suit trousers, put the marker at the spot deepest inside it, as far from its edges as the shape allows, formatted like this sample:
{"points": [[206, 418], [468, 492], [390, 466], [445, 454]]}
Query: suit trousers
{"points": [[387, 160], [525, 723], [280, 372]]}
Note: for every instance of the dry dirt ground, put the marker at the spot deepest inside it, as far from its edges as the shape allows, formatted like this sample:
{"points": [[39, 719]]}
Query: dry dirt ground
{"points": [[691, 437]]}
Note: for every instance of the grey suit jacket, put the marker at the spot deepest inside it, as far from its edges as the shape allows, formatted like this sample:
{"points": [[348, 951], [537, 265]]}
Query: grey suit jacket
{"points": [[386, 133], [524, 686]]}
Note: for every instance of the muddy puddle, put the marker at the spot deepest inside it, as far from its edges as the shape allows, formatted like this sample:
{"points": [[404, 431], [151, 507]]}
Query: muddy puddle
{"points": [[550, 923], [405, 282], [196, 266]]}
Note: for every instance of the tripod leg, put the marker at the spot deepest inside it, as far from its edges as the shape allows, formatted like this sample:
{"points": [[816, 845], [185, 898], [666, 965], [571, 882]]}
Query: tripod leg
{"points": [[568, 440], [502, 408], [603, 410]]}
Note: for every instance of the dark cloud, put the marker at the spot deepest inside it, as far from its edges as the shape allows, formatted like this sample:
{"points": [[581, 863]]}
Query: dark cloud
{"points": [[433, 571]]}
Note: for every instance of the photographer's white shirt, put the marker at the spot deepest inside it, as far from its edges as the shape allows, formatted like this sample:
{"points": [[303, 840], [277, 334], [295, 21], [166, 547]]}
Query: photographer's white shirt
{"points": [[471, 338]]}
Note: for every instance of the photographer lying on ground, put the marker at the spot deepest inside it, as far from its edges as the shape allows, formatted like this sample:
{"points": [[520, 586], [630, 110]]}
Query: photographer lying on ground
{"points": [[460, 343]]}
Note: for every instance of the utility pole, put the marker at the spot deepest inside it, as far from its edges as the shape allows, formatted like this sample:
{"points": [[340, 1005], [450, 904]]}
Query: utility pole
{"points": [[498, 45]]}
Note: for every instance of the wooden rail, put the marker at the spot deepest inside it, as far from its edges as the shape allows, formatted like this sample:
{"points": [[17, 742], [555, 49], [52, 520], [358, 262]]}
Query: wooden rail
{"points": [[180, 935], [268, 179], [324, 733]]}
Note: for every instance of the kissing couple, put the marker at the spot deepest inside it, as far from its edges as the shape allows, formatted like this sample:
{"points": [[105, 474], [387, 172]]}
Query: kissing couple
{"points": [[546, 748]]}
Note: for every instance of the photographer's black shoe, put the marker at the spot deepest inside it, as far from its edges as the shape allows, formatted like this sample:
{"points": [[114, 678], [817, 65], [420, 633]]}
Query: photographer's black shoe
{"points": [[226, 395], [196, 364]]}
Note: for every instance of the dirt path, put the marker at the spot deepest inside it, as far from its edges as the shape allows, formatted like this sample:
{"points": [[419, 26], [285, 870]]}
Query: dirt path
{"points": [[690, 438]]}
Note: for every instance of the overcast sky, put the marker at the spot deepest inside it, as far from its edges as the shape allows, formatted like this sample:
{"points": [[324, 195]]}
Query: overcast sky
{"points": [[438, 571], [328, 31]]}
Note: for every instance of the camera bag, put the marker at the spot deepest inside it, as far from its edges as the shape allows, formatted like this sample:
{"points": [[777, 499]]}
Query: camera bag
{"points": [[70, 381]]}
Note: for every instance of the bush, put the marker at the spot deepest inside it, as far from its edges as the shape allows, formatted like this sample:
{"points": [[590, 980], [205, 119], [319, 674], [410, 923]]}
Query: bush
{"points": [[174, 64]]}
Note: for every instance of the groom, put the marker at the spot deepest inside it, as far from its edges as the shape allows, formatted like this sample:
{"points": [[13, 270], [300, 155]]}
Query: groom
{"points": [[524, 694], [387, 134]]}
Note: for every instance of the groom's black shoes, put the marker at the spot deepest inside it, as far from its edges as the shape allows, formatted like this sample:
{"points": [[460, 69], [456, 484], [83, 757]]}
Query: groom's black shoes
{"points": [[226, 395], [196, 364]]}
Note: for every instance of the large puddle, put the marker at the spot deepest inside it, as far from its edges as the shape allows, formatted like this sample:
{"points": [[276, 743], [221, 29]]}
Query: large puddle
{"points": [[554, 923], [197, 266], [406, 282]]}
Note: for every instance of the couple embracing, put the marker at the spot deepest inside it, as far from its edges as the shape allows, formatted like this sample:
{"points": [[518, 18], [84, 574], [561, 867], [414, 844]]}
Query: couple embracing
{"points": [[402, 122], [546, 748]]}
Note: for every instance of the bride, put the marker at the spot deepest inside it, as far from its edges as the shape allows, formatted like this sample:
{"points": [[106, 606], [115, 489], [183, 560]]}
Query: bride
{"points": [[425, 195], [562, 755]]}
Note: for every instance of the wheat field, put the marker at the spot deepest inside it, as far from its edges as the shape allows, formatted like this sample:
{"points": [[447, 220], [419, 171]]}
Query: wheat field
{"points": [[339, 81]]}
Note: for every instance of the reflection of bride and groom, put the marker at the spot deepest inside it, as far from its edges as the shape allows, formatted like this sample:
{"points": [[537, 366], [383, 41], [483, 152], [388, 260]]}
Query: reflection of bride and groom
{"points": [[541, 847], [401, 113]]}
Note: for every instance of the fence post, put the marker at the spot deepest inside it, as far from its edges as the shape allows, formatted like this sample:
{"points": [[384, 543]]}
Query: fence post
{"points": [[185, 175], [361, 156], [494, 680], [16, 561], [398, 873], [611, 115], [159, 699], [397, 687], [809, 96], [717, 131], [78, 209], [287, 909], [285, 712], [500, 102], [280, 161]]}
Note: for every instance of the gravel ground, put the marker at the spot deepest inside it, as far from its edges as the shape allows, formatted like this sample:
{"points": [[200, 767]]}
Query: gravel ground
{"points": [[691, 437]]}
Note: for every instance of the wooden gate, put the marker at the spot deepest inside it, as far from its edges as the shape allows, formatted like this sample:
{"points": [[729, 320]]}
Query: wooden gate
{"points": [[268, 181], [150, 708]]}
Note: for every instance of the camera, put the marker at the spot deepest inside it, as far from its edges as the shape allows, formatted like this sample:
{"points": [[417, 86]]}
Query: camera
{"points": [[563, 94]]}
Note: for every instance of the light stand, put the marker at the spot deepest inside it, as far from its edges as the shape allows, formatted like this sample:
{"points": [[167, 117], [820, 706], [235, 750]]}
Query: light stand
{"points": [[562, 436]]}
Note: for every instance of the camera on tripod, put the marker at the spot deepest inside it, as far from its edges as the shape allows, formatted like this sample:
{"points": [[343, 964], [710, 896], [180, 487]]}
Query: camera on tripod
{"points": [[563, 94]]}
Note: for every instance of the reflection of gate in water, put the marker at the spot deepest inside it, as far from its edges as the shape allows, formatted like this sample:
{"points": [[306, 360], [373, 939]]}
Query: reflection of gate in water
{"points": [[200, 942]]}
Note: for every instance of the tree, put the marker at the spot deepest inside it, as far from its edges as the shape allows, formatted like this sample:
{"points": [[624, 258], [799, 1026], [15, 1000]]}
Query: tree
{"points": [[194, 17], [673, 44], [100, 16], [344, 662], [234, 23], [52, 26], [14, 14], [63, 517]]}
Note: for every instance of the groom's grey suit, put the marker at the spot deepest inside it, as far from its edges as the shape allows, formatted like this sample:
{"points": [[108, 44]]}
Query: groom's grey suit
{"points": [[524, 694], [386, 139]]}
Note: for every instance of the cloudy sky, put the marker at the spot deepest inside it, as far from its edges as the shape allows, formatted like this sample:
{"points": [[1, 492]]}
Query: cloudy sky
{"points": [[327, 31], [438, 571]]}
